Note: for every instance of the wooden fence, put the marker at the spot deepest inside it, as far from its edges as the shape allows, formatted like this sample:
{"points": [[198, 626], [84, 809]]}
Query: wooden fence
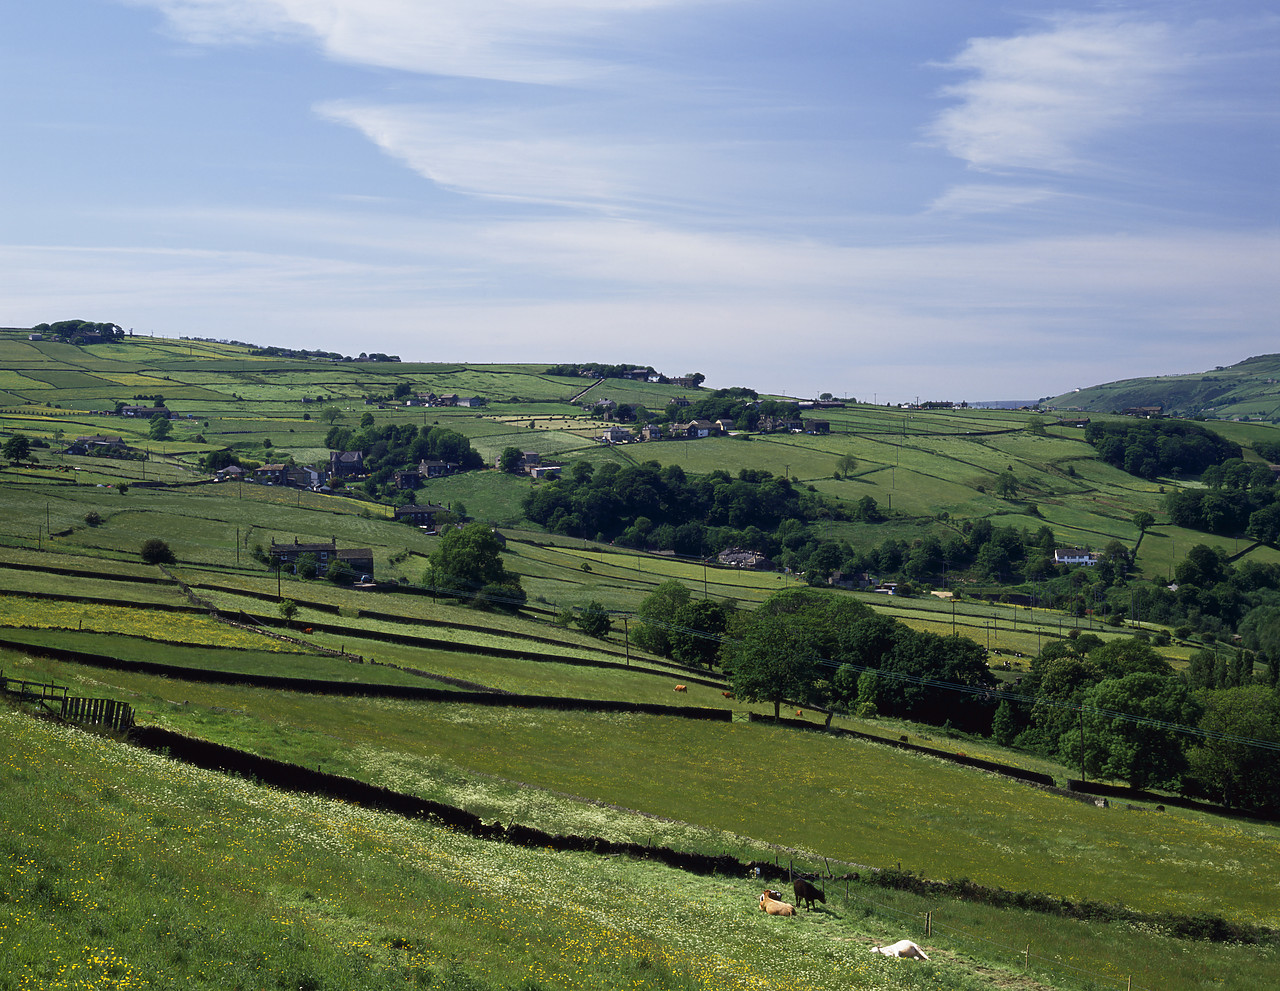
{"points": [[98, 712], [89, 712]]}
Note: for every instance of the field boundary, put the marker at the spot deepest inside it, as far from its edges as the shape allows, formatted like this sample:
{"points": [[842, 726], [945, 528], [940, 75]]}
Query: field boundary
{"points": [[364, 690], [295, 778]]}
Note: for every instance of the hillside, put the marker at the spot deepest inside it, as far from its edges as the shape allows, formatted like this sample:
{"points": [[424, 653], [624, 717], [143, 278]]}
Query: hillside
{"points": [[1249, 389], [521, 719]]}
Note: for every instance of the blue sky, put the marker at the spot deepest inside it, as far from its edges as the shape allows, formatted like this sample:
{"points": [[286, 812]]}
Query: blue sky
{"points": [[936, 199]]}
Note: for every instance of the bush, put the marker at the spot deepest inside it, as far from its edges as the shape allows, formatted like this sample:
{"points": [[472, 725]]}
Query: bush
{"points": [[156, 551], [594, 621], [92, 518]]}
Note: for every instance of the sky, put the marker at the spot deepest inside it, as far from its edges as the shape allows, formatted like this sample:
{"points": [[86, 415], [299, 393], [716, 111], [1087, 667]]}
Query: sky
{"points": [[925, 199]]}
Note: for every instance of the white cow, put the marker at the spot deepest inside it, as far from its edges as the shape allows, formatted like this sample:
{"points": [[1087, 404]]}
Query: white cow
{"points": [[903, 948]]}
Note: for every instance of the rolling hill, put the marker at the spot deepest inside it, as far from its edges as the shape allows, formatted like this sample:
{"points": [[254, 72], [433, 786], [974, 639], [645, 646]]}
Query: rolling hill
{"points": [[385, 789], [1249, 389]]}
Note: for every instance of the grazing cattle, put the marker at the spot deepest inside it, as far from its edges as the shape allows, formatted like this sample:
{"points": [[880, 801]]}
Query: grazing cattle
{"points": [[680, 688], [775, 906], [904, 949], [902, 739], [807, 893], [799, 712], [727, 695]]}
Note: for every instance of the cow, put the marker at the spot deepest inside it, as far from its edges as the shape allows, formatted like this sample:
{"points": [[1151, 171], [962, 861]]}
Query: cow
{"points": [[775, 906], [807, 893], [680, 688], [904, 949]]}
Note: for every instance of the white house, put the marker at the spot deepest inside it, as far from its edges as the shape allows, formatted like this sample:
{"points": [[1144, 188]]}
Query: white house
{"points": [[1073, 555]]}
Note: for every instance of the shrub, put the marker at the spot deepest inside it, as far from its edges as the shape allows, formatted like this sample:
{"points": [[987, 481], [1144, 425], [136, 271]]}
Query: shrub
{"points": [[156, 551], [92, 518]]}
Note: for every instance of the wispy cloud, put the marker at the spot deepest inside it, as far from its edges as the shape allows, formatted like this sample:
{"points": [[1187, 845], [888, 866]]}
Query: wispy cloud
{"points": [[537, 41], [988, 198], [1037, 100], [495, 155]]}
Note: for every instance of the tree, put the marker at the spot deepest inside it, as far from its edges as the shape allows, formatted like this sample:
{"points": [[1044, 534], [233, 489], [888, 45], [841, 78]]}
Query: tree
{"points": [[657, 614], [340, 573], [774, 660], [161, 428], [1006, 485], [1229, 762], [17, 448], [156, 551], [700, 626], [846, 464], [288, 609], [93, 518], [468, 561], [594, 621], [331, 414], [1128, 729], [510, 460], [1143, 521], [1264, 524]]}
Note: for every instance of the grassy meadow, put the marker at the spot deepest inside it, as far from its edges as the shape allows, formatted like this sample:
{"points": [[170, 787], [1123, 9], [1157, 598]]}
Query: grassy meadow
{"points": [[128, 870]]}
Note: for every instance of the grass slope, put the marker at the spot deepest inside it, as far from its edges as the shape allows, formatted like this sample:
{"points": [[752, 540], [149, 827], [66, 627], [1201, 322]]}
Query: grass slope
{"points": [[1247, 389]]}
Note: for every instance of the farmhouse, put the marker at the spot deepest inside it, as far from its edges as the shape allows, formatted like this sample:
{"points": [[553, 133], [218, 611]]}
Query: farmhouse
{"points": [[1073, 555], [358, 559], [616, 435], [850, 579], [274, 474], [97, 444], [419, 515], [409, 478], [436, 469], [817, 426], [144, 412], [694, 429], [343, 464], [740, 557], [780, 424]]}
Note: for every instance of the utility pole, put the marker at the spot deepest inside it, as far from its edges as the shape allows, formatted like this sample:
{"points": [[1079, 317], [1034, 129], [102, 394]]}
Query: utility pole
{"points": [[1082, 777]]}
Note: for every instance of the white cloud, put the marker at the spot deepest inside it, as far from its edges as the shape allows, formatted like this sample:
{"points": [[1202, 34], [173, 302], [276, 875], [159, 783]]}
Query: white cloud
{"points": [[496, 156], [979, 198], [1037, 100], [976, 320], [518, 40]]}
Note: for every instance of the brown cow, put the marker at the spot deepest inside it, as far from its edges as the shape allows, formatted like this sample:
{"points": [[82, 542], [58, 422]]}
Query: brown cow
{"points": [[680, 688], [773, 906]]}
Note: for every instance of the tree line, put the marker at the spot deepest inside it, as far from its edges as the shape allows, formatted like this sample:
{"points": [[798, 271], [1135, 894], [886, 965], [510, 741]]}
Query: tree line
{"points": [[1111, 709], [1242, 498], [662, 508], [1148, 448]]}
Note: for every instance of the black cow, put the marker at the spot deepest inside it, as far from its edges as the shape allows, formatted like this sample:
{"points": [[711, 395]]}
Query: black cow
{"points": [[806, 892]]}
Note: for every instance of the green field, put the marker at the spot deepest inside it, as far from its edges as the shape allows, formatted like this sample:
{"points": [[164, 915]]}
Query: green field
{"points": [[126, 869]]}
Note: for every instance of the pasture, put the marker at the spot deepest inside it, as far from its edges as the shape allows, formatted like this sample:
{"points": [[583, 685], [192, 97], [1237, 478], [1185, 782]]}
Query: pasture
{"points": [[258, 888]]}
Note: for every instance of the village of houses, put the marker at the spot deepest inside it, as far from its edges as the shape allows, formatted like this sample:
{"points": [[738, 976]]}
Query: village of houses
{"points": [[348, 466]]}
